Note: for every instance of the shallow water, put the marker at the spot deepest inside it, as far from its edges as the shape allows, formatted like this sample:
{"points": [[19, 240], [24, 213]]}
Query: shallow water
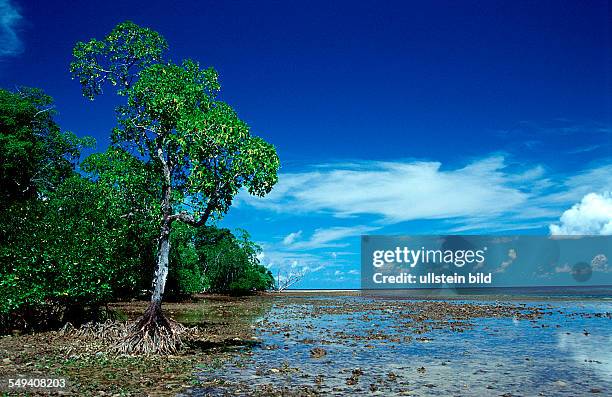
{"points": [[372, 347]]}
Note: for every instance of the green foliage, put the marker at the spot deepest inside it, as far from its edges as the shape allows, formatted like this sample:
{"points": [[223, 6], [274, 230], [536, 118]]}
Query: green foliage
{"points": [[186, 270], [132, 184], [179, 153], [174, 108], [111, 60], [22, 264], [214, 260], [199, 148], [174, 118], [128, 199], [231, 263], [73, 248], [86, 243], [36, 155]]}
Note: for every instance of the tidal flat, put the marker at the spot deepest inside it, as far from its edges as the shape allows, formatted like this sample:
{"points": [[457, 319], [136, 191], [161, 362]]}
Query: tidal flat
{"points": [[345, 344], [354, 345]]}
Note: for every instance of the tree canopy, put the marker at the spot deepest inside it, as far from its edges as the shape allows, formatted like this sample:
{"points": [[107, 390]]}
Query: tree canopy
{"points": [[36, 154], [174, 121], [78, 234], [173, 116]]}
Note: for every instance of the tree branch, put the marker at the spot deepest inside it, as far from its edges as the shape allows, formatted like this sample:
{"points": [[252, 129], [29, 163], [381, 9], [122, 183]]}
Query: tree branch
{"points": [[190, 220]]}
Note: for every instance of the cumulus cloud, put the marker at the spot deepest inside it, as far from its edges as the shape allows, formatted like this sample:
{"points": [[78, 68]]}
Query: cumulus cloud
{"points": [[298, 256], [291, 262], [591, 216], [599, 263], [10, 44]]}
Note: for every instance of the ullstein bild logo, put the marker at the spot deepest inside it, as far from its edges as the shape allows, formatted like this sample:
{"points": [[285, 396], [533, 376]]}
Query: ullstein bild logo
{"points": [[422, 262]]}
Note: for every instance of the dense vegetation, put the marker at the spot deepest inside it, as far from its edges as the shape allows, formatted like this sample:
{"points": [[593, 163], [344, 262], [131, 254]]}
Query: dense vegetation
{"points": [[173, 119], [76, 235], [213, 259]]}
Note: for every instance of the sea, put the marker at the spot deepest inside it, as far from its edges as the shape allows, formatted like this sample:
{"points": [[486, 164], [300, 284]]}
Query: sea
{"points": [[565, 352]]}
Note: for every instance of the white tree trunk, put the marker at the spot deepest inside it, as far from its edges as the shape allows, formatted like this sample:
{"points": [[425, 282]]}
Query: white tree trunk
{"points": [[161, 271]]}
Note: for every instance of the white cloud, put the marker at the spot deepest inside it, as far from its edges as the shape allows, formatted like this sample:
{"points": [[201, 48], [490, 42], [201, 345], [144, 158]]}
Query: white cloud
{"points": [[291, 262], [575, 187], [565, 268], [599, 263], [591, 216], [10, 44], [292, 256], [329, 237], [505, 264], [489, 193], [401, 190], [291, 237]]}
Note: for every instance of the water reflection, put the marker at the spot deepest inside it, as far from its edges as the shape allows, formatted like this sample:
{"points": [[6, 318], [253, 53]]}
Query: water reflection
{"points": [[589, 349], [375, 347], [223, 310]]}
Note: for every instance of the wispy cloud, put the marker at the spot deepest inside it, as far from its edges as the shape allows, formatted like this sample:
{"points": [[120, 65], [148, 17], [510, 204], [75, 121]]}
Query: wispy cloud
{"points": [[490, 192], [505, 264], [572, 188], [555, 136], [585, 149], [297, 255], [400, 190], [291, 237], [330, 237], [10, 44]]}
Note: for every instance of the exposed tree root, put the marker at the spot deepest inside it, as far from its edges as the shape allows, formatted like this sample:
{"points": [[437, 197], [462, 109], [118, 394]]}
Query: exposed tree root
{"points": [[108, 332], [153, 333]]}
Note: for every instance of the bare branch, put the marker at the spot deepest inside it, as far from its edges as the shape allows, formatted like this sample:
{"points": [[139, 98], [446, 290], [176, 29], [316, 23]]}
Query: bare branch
{"points": [[285, 282]]}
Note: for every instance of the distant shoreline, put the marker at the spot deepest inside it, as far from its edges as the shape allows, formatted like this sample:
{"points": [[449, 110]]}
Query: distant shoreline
{"points": [[548, 293]]}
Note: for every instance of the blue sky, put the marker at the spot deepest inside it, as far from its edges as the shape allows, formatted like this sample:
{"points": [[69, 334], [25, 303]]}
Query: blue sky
{"points": [[389, 118]]}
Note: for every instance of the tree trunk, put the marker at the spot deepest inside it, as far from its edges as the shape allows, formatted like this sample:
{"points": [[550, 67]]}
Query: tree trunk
{"points": [[161, 270], [153, 332], [163, 252]]}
